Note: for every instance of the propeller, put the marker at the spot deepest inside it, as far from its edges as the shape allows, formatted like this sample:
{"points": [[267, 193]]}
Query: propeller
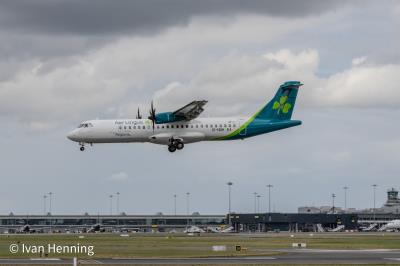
{"points": [[152, 116], [138, 116]]}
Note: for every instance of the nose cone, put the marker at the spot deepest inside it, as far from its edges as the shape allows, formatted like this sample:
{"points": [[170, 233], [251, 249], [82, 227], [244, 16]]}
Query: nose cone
{"points": [[73, 135]]}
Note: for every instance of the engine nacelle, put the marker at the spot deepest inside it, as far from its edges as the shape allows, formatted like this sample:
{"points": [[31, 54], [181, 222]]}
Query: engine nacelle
{"points": [[167, 117]]}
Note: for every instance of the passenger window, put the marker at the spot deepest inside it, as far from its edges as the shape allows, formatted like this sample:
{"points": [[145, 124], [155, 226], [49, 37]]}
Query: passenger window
{"points": [[134, 127], [224, 125], [220, 125], [181, 126], [187, 126], [130, 127], [229, 125], [197, 126], [144, 127], [162, 126], [206, 125], [124, 127], [234, 125], [211, 126], [167, 126], [216, 125], [172, 126], [120, 127], [158, 127], [191, 126], [201, 126]]}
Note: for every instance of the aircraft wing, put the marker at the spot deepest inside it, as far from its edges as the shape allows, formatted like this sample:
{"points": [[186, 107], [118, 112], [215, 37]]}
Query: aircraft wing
{"points": [[191, 110]]}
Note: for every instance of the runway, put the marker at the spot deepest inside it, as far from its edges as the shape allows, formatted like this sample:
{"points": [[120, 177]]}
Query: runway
{"points": [[288, 256]]}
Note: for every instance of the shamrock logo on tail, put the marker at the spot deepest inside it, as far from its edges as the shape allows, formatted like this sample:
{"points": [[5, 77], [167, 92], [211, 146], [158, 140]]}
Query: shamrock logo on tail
{"points": [[282, 105]]}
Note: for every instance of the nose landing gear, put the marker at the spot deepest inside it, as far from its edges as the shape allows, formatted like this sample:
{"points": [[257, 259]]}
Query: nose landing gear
{"points": [[82, 145], [175, 144]]}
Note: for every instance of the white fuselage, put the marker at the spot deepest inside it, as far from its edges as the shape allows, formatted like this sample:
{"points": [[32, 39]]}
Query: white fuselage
{"points": [[395, 224], [141, 130]]}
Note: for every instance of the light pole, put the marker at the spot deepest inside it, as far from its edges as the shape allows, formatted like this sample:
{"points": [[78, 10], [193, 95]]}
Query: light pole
{"points": [[44, 203], [345, 196], [333, 203], [111, 204], [117, 201], [269, 186], [175, 204], [374, 188], [229, 195], [187, 207], [50, 194], [255, 202], [258, 203], [51, 219], [187, 203]]}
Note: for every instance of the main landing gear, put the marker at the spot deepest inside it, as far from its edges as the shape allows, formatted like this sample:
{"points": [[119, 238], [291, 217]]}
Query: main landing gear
{"points": [[175, 144]]}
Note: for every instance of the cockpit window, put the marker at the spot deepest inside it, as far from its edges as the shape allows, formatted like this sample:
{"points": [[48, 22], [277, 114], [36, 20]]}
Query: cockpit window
{"points": [[85, 125]]}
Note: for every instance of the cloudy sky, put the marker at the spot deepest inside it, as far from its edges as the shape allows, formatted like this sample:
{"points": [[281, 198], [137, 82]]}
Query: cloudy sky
{"points": [[67, 61]]}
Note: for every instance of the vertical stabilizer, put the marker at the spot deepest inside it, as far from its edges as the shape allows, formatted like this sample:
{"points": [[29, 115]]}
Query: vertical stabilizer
{"points": [[281, 106]]}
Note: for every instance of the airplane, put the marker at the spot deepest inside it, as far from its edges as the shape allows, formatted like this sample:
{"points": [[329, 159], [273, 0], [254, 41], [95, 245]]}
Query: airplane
{"points": [[230, 229], [393, 225], [28, 229], [193, 229], [175, 129], [215, 229]]}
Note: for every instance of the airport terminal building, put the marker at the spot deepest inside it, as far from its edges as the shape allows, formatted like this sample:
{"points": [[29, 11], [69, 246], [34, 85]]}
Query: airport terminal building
{"points": [[293, 222], [308, 219], [259, 222], [143, 223], [241, 222]]}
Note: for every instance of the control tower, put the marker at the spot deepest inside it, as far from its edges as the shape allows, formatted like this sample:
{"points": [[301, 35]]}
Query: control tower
{"points": [[392, 204]]}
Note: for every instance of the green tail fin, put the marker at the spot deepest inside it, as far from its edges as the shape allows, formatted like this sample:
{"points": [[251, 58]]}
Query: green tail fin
{"points": [[281, 106]]}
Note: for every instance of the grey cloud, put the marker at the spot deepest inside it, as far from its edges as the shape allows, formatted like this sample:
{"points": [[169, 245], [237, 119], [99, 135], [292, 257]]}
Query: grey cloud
{"points": [[334, 146], [140, 16]]}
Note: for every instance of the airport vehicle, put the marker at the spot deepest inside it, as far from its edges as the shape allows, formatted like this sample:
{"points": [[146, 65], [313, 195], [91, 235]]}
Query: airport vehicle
{"points": [[175, 129]]}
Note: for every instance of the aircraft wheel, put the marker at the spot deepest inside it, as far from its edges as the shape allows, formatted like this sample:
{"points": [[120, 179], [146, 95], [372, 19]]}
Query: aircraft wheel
{"points": [[171, 148], [179, 145], [82, 148]]}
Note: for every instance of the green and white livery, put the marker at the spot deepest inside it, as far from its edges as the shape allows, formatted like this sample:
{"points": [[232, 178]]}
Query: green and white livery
{"points": [[183, 126]]}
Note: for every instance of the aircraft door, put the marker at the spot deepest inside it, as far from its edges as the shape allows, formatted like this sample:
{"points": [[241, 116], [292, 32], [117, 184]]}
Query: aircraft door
{"points": [[244, 130]]}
